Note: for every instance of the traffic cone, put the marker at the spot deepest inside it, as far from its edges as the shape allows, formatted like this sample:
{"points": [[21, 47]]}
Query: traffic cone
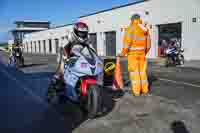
{"points": [[118, 81]]}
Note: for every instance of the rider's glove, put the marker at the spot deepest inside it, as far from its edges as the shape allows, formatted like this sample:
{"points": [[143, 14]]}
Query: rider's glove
{"points": [[65, 59], [55, 78]]}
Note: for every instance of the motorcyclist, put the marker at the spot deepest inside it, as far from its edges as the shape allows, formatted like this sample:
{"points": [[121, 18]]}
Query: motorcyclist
{"points": [[16, 47], [76, 40], [173, 47]]}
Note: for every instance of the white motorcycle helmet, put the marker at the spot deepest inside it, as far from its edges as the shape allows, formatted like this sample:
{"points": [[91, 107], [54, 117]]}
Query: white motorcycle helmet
{"points": [[80, 31]]}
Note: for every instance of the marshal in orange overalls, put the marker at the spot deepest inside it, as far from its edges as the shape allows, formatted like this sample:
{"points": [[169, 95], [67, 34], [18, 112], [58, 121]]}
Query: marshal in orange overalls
{"points": [[137, 44]]}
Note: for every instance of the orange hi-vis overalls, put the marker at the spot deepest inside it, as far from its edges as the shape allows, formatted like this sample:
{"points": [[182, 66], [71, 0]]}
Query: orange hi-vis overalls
{"points": [[137, 44]]}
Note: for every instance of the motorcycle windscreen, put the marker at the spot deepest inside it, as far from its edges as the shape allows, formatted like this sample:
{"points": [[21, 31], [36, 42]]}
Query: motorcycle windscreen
{"points": [[87, 64], [89, 55], [93, 60], [81, 67]]}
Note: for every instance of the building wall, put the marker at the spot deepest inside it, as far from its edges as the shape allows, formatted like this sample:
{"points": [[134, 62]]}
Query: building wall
{"points": [[160, 12], [172, 11], [55, 33]]}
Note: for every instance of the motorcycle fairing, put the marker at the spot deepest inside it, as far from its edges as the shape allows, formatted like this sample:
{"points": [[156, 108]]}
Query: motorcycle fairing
{"points": [[84, 85]]}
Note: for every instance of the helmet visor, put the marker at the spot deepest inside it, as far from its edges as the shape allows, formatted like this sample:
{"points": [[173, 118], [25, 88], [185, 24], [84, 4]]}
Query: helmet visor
{"points": [[82, 34]]}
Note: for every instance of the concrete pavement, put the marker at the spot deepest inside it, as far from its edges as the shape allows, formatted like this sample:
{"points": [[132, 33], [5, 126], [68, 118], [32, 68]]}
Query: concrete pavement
{"points": [[192, 64], [172, 108]]}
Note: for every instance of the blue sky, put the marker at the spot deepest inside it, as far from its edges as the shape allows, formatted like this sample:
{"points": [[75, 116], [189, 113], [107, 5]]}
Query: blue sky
{"points": [[57, 11]]}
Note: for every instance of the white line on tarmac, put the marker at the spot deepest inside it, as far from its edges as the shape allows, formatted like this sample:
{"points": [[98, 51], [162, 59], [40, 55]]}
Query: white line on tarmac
{"points": [[179, 82]]}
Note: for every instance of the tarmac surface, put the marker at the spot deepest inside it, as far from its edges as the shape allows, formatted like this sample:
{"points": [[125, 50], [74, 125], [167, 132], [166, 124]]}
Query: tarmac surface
{"points": [[173, 107]]}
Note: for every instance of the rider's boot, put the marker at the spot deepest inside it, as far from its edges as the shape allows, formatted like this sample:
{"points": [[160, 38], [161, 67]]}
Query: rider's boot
{"points": [[71, 93]]}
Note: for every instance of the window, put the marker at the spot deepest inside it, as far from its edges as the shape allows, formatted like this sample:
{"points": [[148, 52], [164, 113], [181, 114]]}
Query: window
{"points": [[35, 46], [39, 46], [57, 45], [31, 47], [110, 40], [50, 46], [26, 46], [146, 12], [93, 40], [20, 25], [44, 46], [194, 20], [36, 25]]}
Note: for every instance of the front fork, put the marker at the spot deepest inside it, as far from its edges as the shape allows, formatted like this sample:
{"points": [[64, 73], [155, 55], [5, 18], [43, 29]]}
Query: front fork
{"points": [[85, 83]]}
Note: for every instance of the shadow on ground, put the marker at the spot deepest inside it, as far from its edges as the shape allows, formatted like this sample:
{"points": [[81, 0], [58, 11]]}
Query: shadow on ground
{"points": [[151, 79], [63, 117], [179, 127], [72, 114], [32, 65]]}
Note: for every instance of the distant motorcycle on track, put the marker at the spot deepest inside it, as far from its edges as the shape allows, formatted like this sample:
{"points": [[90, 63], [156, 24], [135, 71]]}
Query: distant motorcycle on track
{"points": [[174, 57], [16, 59]]}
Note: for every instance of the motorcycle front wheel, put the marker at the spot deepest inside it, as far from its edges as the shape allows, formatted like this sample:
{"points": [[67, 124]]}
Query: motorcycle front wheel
{"points": [[181, 59], [52, 96], [22, 61], [93, 103], [55, 91], [168, 61], [12, 61], [18, 63]]}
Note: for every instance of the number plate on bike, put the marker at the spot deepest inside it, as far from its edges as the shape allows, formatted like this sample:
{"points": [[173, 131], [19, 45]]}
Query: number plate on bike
{"points": [[83, 65]]}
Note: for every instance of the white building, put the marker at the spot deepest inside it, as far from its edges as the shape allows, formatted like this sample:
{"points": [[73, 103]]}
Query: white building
{"points": [[177, 18], [46, 41]]}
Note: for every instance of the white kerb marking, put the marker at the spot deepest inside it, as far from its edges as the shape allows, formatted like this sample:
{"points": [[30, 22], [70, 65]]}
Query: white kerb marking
{"points": [[179, 82]]}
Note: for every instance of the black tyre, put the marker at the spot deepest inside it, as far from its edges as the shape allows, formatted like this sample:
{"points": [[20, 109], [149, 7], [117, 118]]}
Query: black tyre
{"points": [[181, 59], [55, 91], [12, 61], [93, 105], [52, 96], [167, 62], [18, 63], [22, 61]]}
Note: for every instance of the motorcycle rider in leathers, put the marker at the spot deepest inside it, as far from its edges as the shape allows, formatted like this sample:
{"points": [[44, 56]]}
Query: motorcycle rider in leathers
{"points": [[76, 40], [14, 48]]}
